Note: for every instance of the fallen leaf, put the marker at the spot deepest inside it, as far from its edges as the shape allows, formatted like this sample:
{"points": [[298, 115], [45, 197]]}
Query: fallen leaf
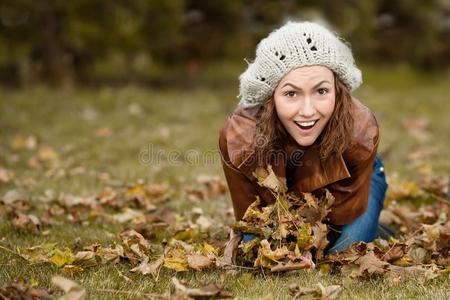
{"points": [[271, 181], [37, 254], [28, 223], [85, 259], [62, 257], [72, 290], [5, 175], [150, 268], [369, 264], [317, 292], [206, 291], [231, 247], [175, 259], [47, 153], [20, 290], [198, 262]]}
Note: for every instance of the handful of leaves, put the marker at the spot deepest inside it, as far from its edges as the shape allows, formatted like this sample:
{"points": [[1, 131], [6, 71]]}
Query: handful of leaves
{"points": [[287, 233]]}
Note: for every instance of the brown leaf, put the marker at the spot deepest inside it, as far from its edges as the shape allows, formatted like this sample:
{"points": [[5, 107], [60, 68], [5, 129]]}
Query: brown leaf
{"points": [[231, 247], [25, 222], [199, 262], [5, 175], [311, 201], [371, 264], [394, 253], [19, 290], [270, 180], [318, 292], [320, 241], [72, 290], [150, 268], [135, 244], [85, 259], [418, 254], [268, 257], [420, 273], [290, 266], [206, 291]]}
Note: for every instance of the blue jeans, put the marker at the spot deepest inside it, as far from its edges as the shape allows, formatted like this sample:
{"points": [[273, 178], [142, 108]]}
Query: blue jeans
{"points": [[364, 228]]}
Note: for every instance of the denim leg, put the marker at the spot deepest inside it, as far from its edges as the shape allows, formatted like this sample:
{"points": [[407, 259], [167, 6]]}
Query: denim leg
{"points": [[364, 228]]}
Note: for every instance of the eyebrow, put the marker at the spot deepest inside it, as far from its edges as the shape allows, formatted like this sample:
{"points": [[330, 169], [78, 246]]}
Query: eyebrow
{"points": [[298, 88]]}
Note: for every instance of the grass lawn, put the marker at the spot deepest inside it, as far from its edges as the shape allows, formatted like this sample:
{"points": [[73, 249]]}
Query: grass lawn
{"points": [[87, 140]]}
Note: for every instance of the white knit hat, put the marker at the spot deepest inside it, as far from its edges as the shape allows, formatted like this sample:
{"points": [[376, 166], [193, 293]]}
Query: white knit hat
{"points": [[291, 46]]}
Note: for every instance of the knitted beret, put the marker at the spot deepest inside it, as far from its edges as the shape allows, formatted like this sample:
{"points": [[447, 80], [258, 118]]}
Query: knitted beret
{"points": [[291, 46]]}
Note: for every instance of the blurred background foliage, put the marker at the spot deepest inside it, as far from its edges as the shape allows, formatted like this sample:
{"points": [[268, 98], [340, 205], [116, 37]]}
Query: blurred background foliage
{"points": [[182, 42]]}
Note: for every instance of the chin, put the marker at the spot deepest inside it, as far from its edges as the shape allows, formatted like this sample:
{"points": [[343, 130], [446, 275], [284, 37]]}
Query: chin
{"points": [[305, 143]]}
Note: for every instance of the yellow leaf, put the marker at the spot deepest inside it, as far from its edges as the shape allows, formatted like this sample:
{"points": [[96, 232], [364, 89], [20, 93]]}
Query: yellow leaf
{"points": [[61, 258], [266, 256], [48, 154], [403, 262], [135, 192], [37, 254], [207, 248], [304, 237], [176, 259]]}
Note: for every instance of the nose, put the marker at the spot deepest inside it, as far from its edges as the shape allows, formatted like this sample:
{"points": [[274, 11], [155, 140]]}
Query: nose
{"points": [[307, 110]]}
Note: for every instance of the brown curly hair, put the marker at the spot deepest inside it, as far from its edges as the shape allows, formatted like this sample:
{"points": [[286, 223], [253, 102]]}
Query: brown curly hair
{"points": [[271, 136]]}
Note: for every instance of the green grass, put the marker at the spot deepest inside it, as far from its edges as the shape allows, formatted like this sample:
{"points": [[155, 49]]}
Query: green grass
{"points": [[176, 123]]}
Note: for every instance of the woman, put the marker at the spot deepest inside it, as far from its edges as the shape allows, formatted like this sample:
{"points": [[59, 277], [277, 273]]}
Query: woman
{"points": [[296, 113]]}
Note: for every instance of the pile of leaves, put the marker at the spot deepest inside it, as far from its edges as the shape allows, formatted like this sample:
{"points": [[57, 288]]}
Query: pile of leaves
{"points": [[289, 233], [422, 252], [292, 234]]}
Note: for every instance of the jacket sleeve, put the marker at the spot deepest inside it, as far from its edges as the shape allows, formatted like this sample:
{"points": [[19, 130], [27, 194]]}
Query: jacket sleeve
{"points": [[352, 194], [243, 191]]}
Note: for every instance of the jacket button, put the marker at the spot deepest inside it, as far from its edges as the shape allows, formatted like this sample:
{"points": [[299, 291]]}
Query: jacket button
{"points": [[381, 169]]}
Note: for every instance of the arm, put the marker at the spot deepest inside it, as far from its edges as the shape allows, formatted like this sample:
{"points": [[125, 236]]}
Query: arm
{"points": [[243, 191]]}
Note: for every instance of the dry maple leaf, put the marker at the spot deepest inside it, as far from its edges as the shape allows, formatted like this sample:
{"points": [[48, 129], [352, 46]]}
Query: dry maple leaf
{"points": [[198, 261], [320, 232], [230, 251], [150, 268], [317, 292], [27, 223], [20, 290], [72, 290], [270, 180], [366, 265], [175, 259], [210, 291]]}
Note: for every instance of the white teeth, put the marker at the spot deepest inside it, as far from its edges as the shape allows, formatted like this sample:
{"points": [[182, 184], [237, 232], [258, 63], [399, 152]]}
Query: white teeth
{"points": [[306, 123]]}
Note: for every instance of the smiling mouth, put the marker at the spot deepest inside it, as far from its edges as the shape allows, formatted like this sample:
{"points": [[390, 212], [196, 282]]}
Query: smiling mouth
{"points": [[305, 127]]}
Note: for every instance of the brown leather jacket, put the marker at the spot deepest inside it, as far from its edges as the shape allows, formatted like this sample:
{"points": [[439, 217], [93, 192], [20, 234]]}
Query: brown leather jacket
{"points": [[347, 176]]}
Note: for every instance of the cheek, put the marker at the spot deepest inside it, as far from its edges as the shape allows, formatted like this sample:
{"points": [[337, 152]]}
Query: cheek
{"points": [[327, 108], [285, 111]]}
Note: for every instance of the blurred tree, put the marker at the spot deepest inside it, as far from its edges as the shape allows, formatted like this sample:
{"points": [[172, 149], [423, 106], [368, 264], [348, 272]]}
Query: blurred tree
{"points": [[152, 41]]}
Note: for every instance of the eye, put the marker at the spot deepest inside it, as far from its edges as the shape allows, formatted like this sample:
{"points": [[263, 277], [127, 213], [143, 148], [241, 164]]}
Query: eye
{"points": [[323, 91], [290, 93]]}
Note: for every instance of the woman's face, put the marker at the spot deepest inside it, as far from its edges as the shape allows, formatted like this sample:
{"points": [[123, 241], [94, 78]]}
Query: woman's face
{"points": [[304, 101]]}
